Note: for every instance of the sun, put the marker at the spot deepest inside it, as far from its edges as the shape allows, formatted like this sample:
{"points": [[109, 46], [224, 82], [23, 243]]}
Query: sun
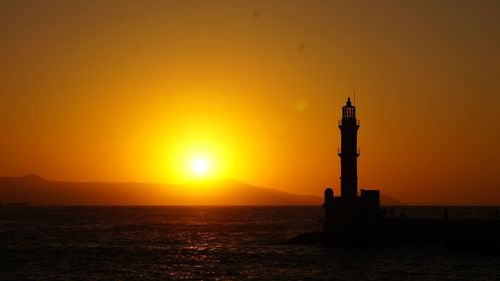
{"points": [[200, 166]]}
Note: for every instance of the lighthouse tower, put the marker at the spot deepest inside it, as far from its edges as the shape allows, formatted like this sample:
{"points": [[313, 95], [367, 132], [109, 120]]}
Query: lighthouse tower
{"points": [[344, 213], [349, 153]]}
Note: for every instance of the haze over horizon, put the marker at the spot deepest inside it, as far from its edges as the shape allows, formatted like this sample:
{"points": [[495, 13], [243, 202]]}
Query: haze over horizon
{"points": [[176, 91]]}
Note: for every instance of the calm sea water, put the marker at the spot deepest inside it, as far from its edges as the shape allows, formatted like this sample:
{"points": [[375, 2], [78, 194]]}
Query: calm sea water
{"points": [[212, 243]]}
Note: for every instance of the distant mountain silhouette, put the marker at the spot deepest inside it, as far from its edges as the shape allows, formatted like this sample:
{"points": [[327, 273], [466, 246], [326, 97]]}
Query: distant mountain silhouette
{"points": [[39, 191], [386, 200]]}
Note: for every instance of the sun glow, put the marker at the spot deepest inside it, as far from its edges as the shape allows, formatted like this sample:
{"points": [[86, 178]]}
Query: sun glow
{"points": [[200, 166], [195, 153]]}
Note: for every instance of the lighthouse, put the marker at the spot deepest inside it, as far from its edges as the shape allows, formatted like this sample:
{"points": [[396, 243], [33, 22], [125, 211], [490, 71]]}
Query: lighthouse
{"points": [[349, 152], [349, 210]]}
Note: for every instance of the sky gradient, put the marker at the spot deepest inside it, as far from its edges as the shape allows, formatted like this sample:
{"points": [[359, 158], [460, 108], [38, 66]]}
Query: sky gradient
{"points": [[134, 90]]}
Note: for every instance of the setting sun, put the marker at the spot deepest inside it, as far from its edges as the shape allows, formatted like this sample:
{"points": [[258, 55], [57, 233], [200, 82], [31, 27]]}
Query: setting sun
{"points": [[200, 166]]}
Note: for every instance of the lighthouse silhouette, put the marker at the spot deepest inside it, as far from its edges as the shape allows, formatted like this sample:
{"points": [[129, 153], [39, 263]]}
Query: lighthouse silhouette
{"points": [[349, 152], [350, 210], [355, 219]]}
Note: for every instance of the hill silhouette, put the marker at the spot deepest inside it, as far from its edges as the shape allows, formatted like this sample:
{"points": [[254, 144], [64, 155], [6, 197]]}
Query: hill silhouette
{"points": [[39, 191]]}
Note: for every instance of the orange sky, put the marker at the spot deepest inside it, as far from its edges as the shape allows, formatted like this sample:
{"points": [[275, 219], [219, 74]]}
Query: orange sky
{"points": [[133, 90]]}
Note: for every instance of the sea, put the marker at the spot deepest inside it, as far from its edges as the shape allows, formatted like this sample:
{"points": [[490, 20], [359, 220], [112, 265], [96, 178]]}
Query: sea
{"points": [[215, 243]]}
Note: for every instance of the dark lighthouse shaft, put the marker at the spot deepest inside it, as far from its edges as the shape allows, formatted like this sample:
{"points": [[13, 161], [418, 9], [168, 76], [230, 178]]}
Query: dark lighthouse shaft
{"points": [[349, 126]]}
